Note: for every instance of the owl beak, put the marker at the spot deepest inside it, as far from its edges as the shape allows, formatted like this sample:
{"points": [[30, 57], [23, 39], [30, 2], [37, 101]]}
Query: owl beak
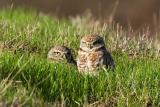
{"points": [[89, 45]]}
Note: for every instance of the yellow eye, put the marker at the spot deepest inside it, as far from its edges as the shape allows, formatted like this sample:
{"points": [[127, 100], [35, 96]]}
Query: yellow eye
{"points": [[56, 53], [83, 42]]}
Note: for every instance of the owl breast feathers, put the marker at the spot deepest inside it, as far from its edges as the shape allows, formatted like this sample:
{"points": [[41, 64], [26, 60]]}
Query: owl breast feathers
{"points": [[93, 55]]}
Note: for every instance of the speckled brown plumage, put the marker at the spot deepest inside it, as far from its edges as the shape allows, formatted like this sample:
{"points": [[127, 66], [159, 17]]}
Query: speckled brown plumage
{"points": [[61, 53], [93, 55]]}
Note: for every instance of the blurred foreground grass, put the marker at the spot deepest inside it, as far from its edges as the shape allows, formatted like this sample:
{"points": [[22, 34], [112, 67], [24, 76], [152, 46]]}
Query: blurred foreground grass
{"points": [[28, 79]]}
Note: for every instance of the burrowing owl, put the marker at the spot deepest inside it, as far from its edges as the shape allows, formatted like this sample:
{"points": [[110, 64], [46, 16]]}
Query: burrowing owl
{"points": [[61, 53], [93, 55]]}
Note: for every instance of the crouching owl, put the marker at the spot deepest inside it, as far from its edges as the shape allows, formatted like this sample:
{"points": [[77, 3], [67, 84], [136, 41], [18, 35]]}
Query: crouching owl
{"points": [[61, 53]]}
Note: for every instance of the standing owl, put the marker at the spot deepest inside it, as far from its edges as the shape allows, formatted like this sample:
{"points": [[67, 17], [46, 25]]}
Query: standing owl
{"points": [[61, 53], [92, 55]]}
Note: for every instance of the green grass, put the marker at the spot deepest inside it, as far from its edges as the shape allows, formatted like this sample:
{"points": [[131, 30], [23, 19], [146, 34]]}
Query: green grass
{"points": [[27, 77]]}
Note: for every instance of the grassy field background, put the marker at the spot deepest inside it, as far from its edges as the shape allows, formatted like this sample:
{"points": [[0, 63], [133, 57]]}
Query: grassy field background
{"points": [[27, 78]]}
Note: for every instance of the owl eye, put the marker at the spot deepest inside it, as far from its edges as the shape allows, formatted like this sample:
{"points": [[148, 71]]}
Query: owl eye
{"points": [[83, 42], [56, 53]]}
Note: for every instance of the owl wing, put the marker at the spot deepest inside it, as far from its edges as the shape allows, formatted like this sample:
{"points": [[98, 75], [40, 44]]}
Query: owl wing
{"points": [[109, 60], [70, 58]]}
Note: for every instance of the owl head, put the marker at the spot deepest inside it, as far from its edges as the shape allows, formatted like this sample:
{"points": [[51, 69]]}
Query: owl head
{"points": [[91, 43], [59, 53]]}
